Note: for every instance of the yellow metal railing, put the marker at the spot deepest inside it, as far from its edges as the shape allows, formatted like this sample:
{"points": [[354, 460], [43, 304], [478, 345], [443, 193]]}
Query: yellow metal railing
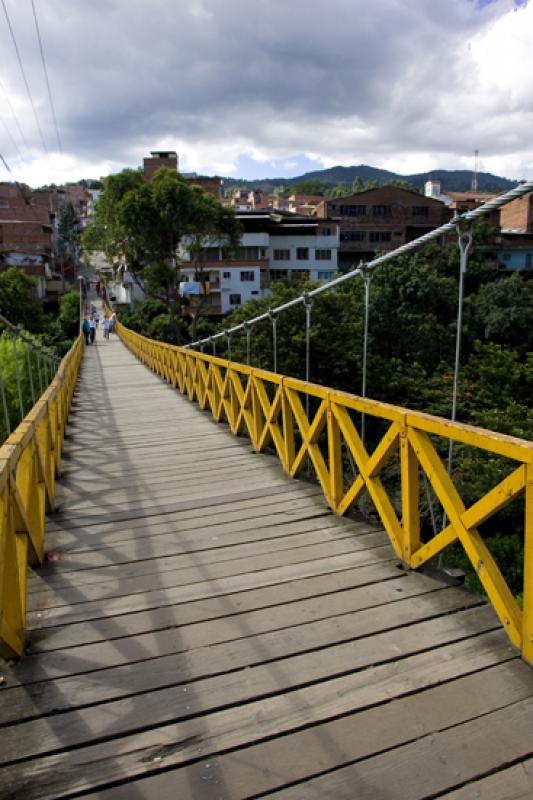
{"points": [[269, 407], [29, 462]]}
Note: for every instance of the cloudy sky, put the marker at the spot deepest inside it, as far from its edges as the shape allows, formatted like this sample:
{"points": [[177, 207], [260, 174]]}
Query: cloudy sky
{"points": [[256, 88]]}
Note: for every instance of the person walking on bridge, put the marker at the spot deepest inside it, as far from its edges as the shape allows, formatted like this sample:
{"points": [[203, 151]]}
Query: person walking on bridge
{"points": [[86, 330], [92, 333]]}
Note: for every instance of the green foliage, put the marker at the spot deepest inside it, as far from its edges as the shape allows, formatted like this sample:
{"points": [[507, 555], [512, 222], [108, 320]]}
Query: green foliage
{"points": [[20, 358], [308, 187], [17, 301]]}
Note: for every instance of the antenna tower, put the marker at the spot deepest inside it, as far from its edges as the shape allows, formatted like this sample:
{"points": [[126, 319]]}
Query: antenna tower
{"points": [[474, 174]]}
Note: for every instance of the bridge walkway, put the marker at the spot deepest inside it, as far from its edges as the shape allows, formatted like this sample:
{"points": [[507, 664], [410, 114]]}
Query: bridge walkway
{"points": [[205, 628]]}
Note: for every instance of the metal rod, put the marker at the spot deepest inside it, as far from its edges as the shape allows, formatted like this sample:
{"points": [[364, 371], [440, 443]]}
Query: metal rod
{"points": [[4, 404], [367, 278], [248, 343], [464, 243], [274, 343], [308, 309], [39, 372], [30, 374], [17, 372]]}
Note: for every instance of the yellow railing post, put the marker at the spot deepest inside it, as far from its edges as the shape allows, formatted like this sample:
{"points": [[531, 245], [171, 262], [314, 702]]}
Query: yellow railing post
{"points": [[336, 482], [527, 610], [410, 488], [29, 460], [288, 429]]}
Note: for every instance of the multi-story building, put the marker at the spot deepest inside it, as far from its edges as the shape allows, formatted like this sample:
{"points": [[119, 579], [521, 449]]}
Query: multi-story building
{"points": [[159, 159], [381, 219], [25, 234], [168, 159], [250, 200], [273, 247], [518, 215], [516, 235], [305, 204]]}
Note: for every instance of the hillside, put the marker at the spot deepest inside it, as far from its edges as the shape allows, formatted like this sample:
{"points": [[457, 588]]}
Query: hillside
{"points": [[452, 180]]}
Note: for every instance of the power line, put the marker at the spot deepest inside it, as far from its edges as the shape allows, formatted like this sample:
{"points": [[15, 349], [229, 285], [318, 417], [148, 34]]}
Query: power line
{"points": [[46, 77], [10, 137], [13, 114], [24, 78], [6, 165]]}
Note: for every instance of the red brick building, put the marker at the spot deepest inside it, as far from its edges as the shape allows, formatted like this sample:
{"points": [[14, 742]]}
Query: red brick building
{"points": [[518, 215], [381, 219]]}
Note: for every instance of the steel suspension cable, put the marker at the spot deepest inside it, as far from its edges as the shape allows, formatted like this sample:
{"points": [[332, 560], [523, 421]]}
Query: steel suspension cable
{"points": [[486, 208], [52, 108], [24, 78]]}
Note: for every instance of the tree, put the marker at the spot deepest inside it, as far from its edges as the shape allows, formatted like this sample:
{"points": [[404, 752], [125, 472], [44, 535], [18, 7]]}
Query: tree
{"points": [[105, 231], [17, 301], [153, 224], [308, 187]]}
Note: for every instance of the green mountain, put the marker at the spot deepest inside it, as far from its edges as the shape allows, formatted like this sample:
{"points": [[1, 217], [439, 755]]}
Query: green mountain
{"points": [[451, 180]]}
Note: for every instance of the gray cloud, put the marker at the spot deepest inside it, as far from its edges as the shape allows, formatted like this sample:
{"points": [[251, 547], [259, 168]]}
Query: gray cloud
{"points": [[351, 80]]}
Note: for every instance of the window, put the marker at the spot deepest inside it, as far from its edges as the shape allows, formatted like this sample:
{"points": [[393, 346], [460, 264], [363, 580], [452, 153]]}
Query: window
{"points": [[420, 211], [353, 211], [324, 232], [226, 275], [302, 253], [324, 276], [4, 203], [299, 275], [210, 254], [353, 236], [234, 299], [247, 275], [282, 255], [278, 274], [248, 253], [323, 255], [379, 236], [255, 291], [382, 211], [528, 260]]}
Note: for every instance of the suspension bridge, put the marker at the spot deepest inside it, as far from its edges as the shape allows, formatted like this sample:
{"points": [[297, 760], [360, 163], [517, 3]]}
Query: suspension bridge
{"points": [[203, 625]]}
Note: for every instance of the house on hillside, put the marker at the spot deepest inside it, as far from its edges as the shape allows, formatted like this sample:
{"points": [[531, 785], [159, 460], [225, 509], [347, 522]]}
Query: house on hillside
{"points": [[516, 236], [273, 247], [381, 219], [26, 240]]}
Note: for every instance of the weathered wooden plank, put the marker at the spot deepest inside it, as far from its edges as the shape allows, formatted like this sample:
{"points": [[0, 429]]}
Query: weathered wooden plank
{"points": [[443, 760], [83, 519], [165, 658], [513, 783], [255, 509], [372, 729], [259, 609], [190, 593], [189, 573], [302, 537]]}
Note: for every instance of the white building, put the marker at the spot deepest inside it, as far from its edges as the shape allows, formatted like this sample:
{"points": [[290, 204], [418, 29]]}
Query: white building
{"points": [[273, 247]]}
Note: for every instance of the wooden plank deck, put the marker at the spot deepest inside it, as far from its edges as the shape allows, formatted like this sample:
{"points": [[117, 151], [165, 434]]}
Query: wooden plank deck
{"points": [[209, 630]]}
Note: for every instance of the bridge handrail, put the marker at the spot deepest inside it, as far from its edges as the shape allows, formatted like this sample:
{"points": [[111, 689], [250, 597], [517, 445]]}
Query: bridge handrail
{"points": [[238, 393], [30, 459]]}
